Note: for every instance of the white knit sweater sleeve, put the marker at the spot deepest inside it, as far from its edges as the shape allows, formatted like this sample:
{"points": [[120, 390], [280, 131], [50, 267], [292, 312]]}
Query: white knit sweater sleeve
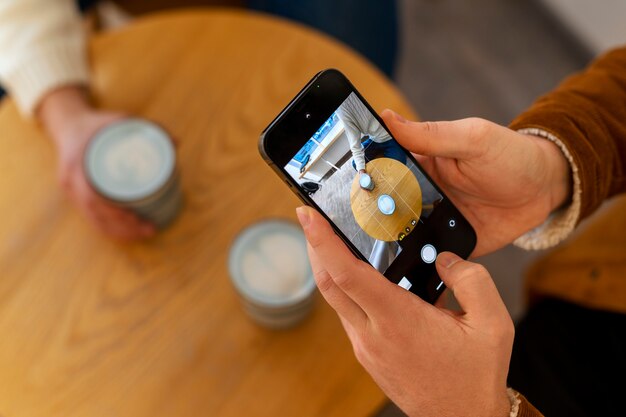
{"points": [[347, 115], [42, 46]]}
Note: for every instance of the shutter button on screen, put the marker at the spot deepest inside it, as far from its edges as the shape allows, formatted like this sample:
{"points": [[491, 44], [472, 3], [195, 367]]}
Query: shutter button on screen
{"points": [[429, 253]]}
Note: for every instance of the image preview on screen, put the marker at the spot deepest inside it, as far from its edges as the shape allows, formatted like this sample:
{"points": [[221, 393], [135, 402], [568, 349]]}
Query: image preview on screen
{"points": [[375, 211]]}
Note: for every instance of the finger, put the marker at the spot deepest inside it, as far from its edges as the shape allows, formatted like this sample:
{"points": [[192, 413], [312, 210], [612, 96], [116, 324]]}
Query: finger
{"points": [[442, 304], [345, 307], [472, 287], [442, 301], [120, 230], [426, 162], [120, 223], [348, 329], [121, 215], [448, 139], [115, 221], [128, 226], [362, 283]]}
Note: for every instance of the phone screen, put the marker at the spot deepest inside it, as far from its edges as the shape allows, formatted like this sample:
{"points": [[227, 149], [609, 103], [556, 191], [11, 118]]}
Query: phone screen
{"points": [[366, 183]]}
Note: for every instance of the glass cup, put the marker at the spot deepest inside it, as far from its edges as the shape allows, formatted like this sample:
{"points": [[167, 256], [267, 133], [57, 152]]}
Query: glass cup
{"points": [[366, 182], [386, 204], [132, 163], [269, 268]]}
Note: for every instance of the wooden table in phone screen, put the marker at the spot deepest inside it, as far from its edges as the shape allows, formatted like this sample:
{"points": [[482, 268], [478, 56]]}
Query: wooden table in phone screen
{"points": [[91, 327], [394, 179]]}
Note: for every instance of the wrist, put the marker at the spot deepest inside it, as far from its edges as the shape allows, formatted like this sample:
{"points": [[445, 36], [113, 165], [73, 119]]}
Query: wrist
{"points": [[558, 173], [496, 405], [505, 405], [60, 109]]}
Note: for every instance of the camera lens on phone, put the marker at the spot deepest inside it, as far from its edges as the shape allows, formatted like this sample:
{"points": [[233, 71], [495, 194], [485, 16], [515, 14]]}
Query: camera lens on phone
{"points": [[452, 223], [307, 116]]}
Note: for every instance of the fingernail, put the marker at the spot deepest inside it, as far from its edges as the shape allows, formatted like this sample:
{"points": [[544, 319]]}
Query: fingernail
{"points": [[447, 259], [398, 118], [303, 215]]}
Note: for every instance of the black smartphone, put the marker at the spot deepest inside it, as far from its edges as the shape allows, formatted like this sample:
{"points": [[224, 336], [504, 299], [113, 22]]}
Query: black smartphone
{"points": [[336, 154]]}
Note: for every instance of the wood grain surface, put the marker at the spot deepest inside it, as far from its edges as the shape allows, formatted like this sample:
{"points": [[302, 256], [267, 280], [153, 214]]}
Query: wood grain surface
{"points": [[394, 179], [91, 327]]}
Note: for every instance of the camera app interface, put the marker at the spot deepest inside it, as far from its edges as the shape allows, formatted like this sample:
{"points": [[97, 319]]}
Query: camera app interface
{"points": [[363, 180]]}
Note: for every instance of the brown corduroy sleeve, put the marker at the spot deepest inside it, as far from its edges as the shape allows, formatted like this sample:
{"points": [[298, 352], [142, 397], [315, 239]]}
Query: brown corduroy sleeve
{"points": [[587, 112], [526, 409]]}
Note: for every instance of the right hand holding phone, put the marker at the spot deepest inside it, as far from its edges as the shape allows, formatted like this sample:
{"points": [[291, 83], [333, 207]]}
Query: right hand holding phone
{"points": [[505, 183], [428, 360]]}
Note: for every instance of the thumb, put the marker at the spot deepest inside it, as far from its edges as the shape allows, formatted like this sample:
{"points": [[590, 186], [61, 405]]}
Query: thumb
{"points": [[443, 139], [472, 287]]}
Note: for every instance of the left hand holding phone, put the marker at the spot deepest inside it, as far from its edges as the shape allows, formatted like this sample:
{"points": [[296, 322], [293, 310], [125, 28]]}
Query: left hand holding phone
{"points": [[427, 359]]}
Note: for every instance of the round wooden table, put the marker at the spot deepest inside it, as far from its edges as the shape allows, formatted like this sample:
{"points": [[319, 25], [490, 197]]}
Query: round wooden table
{"points": [[394, 179], [91, 327]]}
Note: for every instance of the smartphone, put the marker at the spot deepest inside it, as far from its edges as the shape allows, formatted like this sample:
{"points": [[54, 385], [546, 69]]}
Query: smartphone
{"points": [[333, 150]]}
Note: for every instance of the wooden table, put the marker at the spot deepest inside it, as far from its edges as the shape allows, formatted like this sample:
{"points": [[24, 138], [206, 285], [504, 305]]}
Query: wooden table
{"points": [[396, 180], [93, 328]]}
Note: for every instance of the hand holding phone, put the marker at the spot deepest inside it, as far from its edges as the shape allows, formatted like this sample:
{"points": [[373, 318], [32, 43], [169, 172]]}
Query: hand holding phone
{"points": [[324, 142], [427, 360], [505, 182]]}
